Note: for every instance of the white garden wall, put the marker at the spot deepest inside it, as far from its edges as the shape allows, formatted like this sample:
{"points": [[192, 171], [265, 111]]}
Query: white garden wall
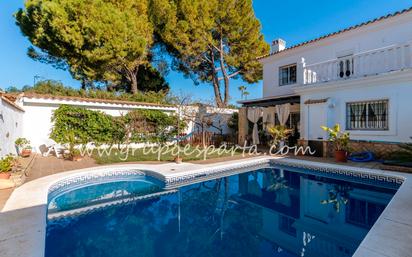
{"points": [[39, 110]]}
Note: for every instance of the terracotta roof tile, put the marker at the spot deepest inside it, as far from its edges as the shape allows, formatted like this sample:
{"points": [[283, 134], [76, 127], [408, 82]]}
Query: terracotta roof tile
{"points": [[7, 98], [340, 31]]}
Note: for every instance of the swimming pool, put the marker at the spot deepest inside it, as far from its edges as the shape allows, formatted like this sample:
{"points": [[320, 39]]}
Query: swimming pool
{"points": [[277, 211]]}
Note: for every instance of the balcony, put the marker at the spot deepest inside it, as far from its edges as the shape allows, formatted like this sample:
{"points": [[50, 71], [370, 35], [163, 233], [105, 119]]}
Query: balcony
{"points": [[373, 62]]}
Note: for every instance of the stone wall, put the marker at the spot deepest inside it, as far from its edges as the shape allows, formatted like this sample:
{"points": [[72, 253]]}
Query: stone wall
{"points": [[380, 149]]}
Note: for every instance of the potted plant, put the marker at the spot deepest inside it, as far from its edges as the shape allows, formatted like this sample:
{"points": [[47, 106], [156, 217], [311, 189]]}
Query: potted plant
{"points": [[178, 160], [340, 141], [74, 154], [279, 134], [23, 146], [6, 165]]}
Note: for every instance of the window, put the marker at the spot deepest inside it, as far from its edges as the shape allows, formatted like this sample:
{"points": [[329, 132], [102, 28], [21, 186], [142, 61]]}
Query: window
{"points": [[363, 213], [286, 225], [371, 115], [287, 75]]}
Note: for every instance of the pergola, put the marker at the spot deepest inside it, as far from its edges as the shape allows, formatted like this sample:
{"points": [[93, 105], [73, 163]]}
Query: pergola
{"points": [[265, 107]]}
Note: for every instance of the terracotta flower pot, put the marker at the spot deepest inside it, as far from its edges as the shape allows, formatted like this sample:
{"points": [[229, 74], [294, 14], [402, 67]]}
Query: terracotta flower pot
{"points": [[341, 156], [76, 158], [5, 175], [25, 153], [178, 160]]}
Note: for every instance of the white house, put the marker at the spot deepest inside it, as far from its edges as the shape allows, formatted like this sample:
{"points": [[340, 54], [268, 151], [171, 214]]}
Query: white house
{"points": [[11, 125], [359, 77]]}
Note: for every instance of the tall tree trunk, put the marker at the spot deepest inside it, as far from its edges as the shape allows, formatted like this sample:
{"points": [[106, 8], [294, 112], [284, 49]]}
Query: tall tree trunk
{"points": [[83, 84], [216, 83], [133, 84], [218, 96], [131, 74], [225, 74]]}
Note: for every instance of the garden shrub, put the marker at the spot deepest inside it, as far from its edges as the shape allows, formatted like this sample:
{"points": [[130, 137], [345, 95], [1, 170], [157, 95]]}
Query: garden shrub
{"points": [[79, 126], [6, 163], [56, 88], [74, 125]]}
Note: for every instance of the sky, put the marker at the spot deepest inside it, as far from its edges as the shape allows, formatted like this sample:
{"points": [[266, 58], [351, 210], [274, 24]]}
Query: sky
{"points": [[293, 21]]}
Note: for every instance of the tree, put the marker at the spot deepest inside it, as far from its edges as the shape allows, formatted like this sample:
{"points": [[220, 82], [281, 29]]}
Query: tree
{"points": [[96, 40], [148, 79], [243, 91], [211, 41]]}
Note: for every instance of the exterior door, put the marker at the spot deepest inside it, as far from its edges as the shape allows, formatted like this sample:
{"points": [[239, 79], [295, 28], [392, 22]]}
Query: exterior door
{"points": [[316, 119]]}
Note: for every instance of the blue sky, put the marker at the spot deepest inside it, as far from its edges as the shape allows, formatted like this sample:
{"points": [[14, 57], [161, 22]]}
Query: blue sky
{"points": [[294, 21]]}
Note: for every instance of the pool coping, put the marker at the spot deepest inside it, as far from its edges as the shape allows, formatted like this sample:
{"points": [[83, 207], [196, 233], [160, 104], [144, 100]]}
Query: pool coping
{"points": [[23, 218]]}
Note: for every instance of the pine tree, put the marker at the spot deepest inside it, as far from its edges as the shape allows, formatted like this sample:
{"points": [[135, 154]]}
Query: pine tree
{"points": [[211, 41]]}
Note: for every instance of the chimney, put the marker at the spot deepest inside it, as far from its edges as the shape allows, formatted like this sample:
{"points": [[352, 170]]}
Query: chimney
{"points": [[278, 45]]}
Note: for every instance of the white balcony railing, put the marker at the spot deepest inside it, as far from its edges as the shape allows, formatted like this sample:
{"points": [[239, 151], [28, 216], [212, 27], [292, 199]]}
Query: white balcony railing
{"points": [[373, 62]]}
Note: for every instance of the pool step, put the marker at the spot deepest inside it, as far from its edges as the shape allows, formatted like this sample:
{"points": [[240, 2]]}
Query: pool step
{"points": [[54, 214]]}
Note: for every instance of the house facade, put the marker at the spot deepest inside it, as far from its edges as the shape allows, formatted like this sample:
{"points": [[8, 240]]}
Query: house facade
{"points": [[359, 77], [11, 125]]}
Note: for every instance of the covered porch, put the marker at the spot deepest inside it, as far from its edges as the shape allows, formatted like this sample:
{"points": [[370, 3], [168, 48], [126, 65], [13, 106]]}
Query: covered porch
{"points": [[256, 115]]}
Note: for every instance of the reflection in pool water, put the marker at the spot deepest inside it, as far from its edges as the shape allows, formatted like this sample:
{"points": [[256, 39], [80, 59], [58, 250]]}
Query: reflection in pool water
{"points": [[269, 212]]}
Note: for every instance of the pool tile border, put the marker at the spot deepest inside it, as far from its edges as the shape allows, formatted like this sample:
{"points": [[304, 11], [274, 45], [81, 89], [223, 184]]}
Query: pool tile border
{"points": [[339, 170], [32, 197], [93, 177]]}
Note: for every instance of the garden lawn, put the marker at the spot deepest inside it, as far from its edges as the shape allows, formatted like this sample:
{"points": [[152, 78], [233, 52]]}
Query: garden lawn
{"points": [[140, 155]]}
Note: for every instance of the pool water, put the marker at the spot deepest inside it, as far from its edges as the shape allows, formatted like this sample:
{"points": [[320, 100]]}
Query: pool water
{"points": [[268, 212]]}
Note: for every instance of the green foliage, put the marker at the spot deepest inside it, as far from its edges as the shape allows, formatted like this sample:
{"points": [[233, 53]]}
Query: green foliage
{"points": [[56, 88], [279, 132], [211, 40], [152, 125], [96, 40], [148, 79], [78, 126], [75, 126], [339, 138], [12, 89], [7, 163]]}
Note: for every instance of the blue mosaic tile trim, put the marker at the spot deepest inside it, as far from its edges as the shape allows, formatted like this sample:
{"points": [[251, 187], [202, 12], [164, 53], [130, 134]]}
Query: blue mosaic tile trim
{"points": [[93, 177], [215, 173], [342, 172]]}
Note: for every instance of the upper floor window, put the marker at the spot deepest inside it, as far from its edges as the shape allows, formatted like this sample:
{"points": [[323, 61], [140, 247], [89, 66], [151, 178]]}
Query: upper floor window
{"points": [[287, 75], [369, 115]]}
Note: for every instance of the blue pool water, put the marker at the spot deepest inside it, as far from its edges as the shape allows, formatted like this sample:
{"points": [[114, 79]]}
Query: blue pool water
{"points": [[268, 212]]}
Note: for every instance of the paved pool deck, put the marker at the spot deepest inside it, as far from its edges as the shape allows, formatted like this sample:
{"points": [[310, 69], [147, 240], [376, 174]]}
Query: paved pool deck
{"points": [[23, 218]]}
